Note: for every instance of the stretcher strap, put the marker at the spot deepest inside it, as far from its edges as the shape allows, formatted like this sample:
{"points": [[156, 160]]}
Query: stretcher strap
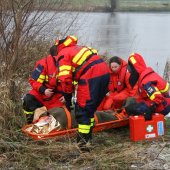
{"points": [[68, 114], [96, 119]]}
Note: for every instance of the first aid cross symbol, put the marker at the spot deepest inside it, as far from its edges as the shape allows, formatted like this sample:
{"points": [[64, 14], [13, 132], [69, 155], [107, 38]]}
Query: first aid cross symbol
{"points": [[149, 128]]}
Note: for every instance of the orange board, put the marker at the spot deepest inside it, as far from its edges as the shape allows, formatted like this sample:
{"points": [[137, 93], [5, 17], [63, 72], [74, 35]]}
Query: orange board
{"points": [[71, 132]]}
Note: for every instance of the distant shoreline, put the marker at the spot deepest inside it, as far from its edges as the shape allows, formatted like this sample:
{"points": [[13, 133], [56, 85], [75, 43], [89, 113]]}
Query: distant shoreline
{"points": [[127, 7]]}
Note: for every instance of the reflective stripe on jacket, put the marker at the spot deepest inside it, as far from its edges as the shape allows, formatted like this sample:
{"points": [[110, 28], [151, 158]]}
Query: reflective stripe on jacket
{"points": [[45, 74], [161, 85]]}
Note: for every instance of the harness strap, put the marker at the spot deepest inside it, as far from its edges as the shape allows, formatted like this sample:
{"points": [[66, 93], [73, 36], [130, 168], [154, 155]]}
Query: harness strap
{"points": [[80, 66], [68, 114], [90, 65], [96, 119]]}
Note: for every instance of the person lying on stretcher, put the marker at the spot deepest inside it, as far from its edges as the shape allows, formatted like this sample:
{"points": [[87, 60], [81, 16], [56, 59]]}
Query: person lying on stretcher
{"points": [[60, 118]]}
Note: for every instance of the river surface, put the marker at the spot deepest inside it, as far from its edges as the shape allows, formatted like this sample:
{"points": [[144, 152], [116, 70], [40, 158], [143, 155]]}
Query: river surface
{"points": [[121, 33]]}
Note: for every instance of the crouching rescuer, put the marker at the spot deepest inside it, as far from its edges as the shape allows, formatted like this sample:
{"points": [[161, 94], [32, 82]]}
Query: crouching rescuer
{"points": [[83, 65], [45, 89], [153, 90]]}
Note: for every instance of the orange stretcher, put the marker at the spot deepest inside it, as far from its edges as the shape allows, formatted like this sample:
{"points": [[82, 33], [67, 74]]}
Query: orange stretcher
{"points": [[72, 132]]}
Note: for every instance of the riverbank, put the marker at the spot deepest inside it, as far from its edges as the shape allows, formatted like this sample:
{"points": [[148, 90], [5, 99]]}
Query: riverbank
{"points": [[143, 5], [105, 5]]}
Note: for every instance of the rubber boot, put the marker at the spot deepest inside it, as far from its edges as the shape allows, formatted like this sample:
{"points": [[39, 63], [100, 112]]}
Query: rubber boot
{"points": [[90, 135], [91, 129], [83, 142]]}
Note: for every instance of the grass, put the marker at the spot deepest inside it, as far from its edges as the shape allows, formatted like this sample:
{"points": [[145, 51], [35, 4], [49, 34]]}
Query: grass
{"points": [[112, 150], [167, 121]]}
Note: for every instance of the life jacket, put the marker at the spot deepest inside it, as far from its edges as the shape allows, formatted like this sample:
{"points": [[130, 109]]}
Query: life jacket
{"points": [[75, 59]]}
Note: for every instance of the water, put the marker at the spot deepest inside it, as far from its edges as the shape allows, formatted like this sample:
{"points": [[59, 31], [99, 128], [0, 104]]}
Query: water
{"points": [[122, 33]]}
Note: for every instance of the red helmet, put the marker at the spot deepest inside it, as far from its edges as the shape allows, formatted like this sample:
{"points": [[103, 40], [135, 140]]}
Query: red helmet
{"points": [[68, 41]]}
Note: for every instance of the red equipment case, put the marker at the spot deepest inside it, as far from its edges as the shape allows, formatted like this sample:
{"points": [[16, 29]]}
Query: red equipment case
{"points": [[140, 129]]}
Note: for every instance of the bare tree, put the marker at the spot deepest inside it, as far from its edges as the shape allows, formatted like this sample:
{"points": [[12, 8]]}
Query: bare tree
{"points": [[22, 26], [21, 22], [19, 26]]}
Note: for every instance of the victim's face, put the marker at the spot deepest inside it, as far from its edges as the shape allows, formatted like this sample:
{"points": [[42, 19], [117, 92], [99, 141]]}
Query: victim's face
{"points": [[114, 67]]}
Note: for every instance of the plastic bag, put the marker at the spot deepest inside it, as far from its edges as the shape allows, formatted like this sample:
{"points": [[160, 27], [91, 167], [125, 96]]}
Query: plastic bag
{"points": [[45, 125]]}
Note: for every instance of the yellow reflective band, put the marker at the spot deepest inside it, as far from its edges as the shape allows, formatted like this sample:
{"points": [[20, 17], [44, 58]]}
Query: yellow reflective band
{"points": [[84, 128], [165, 89], [65, 67], [73, 37], [42, 77], [94, 50], [40, 80], [92, 121], [152, 97], [84, 131], [84, 57], [28, 113], [79, 54], [63, 73], [67, 42], [132, 59], [46, 78], [75, 82]]}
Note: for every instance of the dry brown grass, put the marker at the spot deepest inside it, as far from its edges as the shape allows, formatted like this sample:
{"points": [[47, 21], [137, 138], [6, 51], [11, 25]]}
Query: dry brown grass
{"points": [[112, 149]]}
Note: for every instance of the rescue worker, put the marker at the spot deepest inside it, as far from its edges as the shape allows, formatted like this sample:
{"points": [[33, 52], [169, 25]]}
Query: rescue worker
{"points": [[45, 89], [153, 93], [83, 65], [118, 90]]}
